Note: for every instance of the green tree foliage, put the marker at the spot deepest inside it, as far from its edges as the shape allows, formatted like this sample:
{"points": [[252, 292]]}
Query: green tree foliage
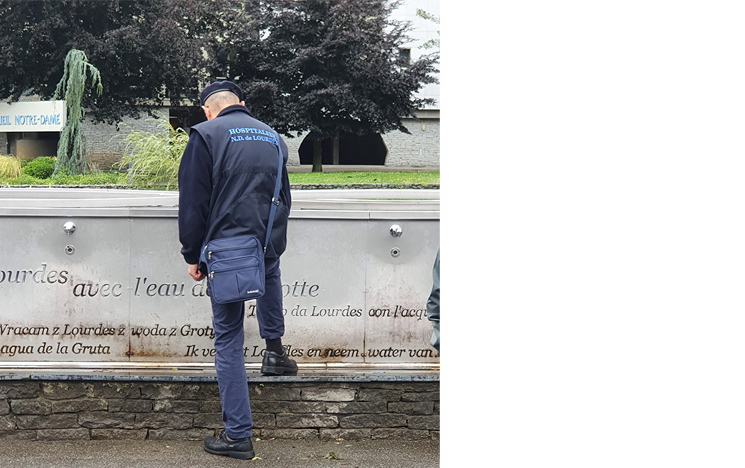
{"points": [[147, 50], [332, 66], [435, 19], [71, 88], [325, 67]]}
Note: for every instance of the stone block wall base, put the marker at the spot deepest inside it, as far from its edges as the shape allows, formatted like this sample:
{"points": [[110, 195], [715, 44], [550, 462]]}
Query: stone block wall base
{"points": [[73, 410]]}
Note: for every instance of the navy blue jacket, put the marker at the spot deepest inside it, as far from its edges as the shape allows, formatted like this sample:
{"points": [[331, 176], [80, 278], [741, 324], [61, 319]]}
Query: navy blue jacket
{"points": [[226, 181]]}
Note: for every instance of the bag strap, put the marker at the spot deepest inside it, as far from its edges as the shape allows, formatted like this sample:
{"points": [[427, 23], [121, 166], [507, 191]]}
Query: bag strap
{"points": [[275, 197]]}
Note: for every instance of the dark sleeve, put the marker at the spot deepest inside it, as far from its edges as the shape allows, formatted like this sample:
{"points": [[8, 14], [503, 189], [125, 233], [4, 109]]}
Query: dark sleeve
{"points": [[285, 188], [195, 191]]}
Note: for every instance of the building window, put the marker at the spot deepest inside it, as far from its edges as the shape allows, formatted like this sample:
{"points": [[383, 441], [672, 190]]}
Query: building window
{"points": [[404, 57]]}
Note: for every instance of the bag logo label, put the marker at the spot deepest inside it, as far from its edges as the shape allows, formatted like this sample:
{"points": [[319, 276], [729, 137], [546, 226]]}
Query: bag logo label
{"points": [[252, 292]]}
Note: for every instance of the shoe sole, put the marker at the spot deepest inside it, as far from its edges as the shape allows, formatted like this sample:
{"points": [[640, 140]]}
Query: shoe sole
{"points": [[232, 454], [278, 371]]}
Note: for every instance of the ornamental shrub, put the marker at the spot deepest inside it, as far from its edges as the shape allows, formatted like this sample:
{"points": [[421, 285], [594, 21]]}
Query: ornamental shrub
{"points": [[41, 167], [10, 166], [152, 158]]}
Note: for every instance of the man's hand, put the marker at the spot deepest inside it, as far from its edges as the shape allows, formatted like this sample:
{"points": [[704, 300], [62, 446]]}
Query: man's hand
{"points": [[195, 273]]}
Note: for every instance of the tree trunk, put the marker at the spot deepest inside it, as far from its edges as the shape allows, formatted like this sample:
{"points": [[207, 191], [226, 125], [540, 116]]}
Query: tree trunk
{"points": [[335, 150], [317, 155]]}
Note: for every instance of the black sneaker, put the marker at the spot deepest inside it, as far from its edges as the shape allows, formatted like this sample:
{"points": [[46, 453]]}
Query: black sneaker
{"points": [[278, 364], [243, 449]]}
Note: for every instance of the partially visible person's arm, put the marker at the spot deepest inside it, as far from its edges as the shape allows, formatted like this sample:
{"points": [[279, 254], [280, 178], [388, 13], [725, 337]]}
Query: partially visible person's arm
{"points": [[195, 191]]}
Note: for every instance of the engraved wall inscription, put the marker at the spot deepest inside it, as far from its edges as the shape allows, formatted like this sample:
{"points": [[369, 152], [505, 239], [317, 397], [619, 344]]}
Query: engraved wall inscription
{"points": [[124, 294]]}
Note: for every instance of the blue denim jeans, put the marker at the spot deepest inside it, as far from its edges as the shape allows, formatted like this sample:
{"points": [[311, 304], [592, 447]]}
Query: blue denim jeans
{"points": [[227, 320]]}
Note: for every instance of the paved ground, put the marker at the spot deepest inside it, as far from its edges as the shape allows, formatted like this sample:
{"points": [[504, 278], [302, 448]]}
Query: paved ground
{"points": [[188, 454]]}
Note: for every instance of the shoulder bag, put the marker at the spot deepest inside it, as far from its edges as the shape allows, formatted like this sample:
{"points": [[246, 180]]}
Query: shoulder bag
{"points": [[235, 265]]}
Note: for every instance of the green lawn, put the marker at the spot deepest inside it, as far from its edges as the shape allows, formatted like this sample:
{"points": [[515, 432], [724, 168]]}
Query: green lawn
{"points": [[401, 179], [388, 178]]}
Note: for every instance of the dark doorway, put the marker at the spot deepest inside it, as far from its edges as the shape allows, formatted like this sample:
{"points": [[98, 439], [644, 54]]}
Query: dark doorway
{"points": [[365, 150], [30, 145], [186, 117]]}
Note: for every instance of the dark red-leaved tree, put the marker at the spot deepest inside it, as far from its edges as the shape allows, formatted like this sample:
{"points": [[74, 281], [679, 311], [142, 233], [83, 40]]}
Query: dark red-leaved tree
{"points": [[331, 66], [146, 50]]}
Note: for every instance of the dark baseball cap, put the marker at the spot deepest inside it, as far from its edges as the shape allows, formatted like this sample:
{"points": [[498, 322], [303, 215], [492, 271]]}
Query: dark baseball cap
{"points": [[218, 86]]}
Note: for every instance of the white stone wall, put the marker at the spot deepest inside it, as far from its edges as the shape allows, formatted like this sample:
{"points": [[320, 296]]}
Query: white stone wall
{"points": [[293, 148], [420, 148]]}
